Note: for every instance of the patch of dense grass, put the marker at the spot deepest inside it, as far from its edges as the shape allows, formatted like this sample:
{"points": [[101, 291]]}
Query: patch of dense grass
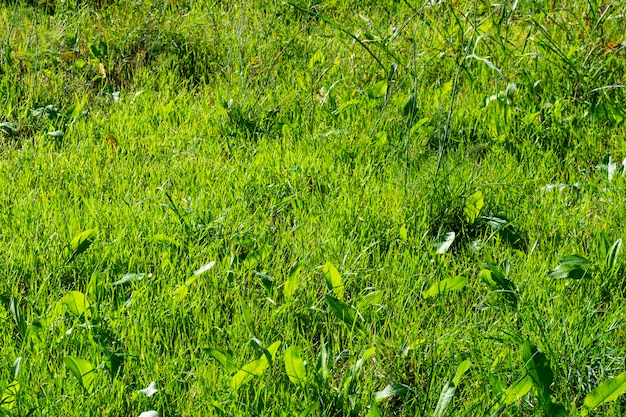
{"points": [[270, 208]]}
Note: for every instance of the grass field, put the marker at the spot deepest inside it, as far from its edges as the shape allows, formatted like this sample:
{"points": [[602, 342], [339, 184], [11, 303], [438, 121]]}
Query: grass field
{"points": [[269, 208]]}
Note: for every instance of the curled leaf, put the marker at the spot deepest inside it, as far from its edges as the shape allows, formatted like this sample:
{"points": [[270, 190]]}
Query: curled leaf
{"points": [[572, 266]]}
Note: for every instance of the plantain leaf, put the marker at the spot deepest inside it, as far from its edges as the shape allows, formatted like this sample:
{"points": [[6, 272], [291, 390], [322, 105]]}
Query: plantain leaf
{"points": [[572, 266], [79, 244], [495, 278], [611, 259], [444, 399], [9, 397], [393, 389], [538, 368], [445, 286], [291, 284], [448, 390], [343, 312], [129, 278], [252, 369], [223, 359], [608, 391], [513, 394], [333, 280], [378, 90], [461, 370], [150, 390], [183, 290], [204, 268], [267, 281], [83, 370], [444, 244], [473, 206], [374, 410], [294, 365], [75, 302]]}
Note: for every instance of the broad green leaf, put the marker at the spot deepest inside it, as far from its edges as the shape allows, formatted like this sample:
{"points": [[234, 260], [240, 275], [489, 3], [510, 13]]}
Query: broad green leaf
{"points": [[410, 109], [393, 389], [538, 368], [19, 320], [378, 90], [248, 371], [93, 48], [444, 399], [17, 366], [310, 410], [83, 370], [608, 391], [8, 127], [252, 369], [257, 345], [513, 394], [181, 292], [80, 63], [9, 396], [322, 362], [350, 378], [291, 284], [369, 353], [129, 279], [253, 258], [75, 302], [572, 266], [370, 299], [204, 268], [343, 311], [57, 134], [294, 365], [460, 371], [79, 244], [333, 280], [150, 390], [160, 237], [113, 360], [374, 410], [96, 286], [223, 359], [448, 390], [473, 206], [52, 317], [445, 286], [267, 281], [516, 391], [495, 278], [444, 244], [505, 229], [609, 165], [404, 234], [611, 259], [248, 314], [318, 58]]}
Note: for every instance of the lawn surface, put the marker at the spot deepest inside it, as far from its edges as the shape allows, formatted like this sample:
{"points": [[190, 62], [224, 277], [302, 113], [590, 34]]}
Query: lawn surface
{"points": [[336, 208]]}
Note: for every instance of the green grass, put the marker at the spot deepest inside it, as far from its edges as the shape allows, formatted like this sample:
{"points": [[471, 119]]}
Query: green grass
{"points": [[321, 155]]}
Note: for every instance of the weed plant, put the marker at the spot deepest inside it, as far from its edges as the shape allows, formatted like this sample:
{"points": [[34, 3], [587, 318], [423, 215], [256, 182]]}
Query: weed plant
{"points": [[292, 208]]}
